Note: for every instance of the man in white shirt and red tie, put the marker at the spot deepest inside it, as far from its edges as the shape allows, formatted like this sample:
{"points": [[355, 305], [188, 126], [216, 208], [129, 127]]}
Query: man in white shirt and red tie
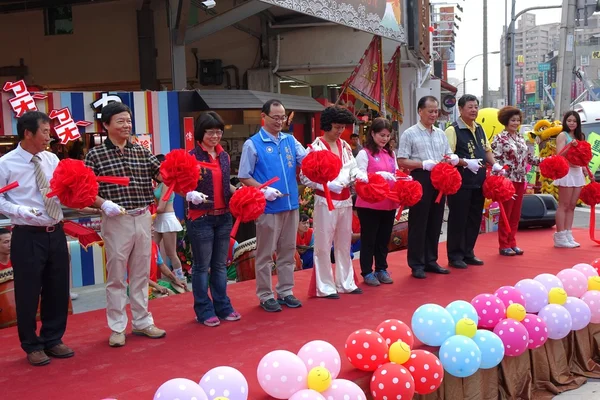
{"points": [[39, 255]]}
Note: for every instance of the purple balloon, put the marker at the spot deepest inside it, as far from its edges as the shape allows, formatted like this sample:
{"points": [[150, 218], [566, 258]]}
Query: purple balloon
{"points": [[549, 281], [580, 313], [180, 388], [557, 319], [281, 373], [536, 294], [225, 382], [307, 394], [575, 282], [342, 389]]}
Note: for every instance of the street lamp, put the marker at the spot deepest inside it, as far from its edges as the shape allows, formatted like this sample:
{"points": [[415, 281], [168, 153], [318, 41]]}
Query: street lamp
{"points": [[467, 63], [469, 80]]}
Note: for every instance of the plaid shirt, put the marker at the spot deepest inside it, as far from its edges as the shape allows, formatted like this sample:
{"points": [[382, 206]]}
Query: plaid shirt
{"points": [[135, 162]]}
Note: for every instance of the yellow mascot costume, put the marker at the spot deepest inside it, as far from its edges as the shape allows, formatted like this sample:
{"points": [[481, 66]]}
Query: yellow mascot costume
{"points": [[544, 133]]}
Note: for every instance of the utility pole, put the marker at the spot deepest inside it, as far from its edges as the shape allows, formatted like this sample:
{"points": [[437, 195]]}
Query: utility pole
{"points": [[485, 57], [564, 71]]}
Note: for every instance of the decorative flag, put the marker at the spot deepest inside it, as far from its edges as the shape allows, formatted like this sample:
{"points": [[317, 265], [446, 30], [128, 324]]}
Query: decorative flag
{"points": [[24, 100], [66, 129], [393, 87]]}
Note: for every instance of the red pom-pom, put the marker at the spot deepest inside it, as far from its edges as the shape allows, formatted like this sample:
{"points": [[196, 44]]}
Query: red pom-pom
{"points": [[247, 204], [446, 179], [498, 188], [180, 171], [74, 184], [376, 190], [321, 166], [409, 192], [580, 154], [554, 167], [590, 194]]}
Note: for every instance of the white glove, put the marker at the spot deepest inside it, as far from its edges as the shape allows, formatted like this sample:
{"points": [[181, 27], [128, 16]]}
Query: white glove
{"points": [[111, 209], [454, 159], [362, 176], [271, 193], [388, 176], [196, 197], [473, 164], [26, 213], [497, 167], [428, 165], [335, 187]]}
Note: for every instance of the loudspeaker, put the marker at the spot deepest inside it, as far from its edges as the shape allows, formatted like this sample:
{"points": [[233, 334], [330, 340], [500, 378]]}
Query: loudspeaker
{"points": [[211, 72], [538, 211]]}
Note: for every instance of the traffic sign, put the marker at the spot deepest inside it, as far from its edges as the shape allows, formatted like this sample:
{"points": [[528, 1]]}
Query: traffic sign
{"points": [[596, 55]]}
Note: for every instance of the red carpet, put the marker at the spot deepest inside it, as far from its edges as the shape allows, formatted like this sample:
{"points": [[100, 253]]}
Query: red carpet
{"points": [[189, 350]]}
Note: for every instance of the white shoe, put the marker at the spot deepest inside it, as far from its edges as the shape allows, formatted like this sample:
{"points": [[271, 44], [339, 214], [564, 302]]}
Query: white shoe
{"points": [[560, 240], [571, 239], [74, 296]]}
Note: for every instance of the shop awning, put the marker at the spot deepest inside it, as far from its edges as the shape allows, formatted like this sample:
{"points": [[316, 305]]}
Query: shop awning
{"points": [[447, 86], [254, 100]]}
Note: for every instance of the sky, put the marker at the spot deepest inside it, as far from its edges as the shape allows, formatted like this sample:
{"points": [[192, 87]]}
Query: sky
{"points": [[469, 38]]}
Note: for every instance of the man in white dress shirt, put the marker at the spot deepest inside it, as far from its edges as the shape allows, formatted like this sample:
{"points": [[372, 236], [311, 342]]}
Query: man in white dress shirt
{"points": [[39, 255]]}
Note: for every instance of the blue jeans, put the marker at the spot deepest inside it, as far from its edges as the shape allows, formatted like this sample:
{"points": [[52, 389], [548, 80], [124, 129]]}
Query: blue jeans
{"points": [[307, 259], [209, 237]]}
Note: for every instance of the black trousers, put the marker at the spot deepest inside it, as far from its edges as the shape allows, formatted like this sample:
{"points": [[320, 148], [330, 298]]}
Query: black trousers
{"points": [[375, 231], [464, 221], [41, 269], [424, 225]]}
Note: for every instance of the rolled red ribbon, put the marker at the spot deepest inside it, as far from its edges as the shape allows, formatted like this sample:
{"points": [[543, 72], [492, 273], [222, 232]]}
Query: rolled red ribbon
{"points": [[10, 186], [117, 180]]}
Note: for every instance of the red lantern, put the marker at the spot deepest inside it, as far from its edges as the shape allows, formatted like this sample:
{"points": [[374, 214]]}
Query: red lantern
{"points": [[180, 172], [392, 381], [499, 189], [446, 179], [247, 204], [322, 167], [366, 350], [393, 330], [427, 371], [374, 191], [554, 167], [579, 153]]}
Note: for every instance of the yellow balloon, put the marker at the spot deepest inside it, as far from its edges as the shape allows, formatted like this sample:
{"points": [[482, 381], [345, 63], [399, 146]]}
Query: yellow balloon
{"points": [[466, 327], [557, 296], [399, 352], [488, 119], [516, 311], [594, 283], [319, 379]]}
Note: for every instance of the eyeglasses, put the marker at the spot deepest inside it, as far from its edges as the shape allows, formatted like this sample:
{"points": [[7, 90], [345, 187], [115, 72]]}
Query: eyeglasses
{"points": [[278, 118], [216, 132]]}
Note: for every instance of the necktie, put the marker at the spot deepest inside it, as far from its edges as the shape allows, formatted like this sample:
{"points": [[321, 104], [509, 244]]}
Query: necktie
{"points": [[52, 208]]}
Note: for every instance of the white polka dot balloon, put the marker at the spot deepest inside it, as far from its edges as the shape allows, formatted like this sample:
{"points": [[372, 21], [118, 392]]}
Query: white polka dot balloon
{"points": [[393, 330], [491, 347], [537, 329], [580, 313], [392, 381], [427, 371], [342, 389], [549, 281], [460, 309], [574, 282], [490, 309], [592, 299], [460, 356], [307, 394], [366, 349], [180, 389], [514, 336], [536, 294], [319, 353], [432, 324], [281, 374], [557, 319], [225, 382], [586, 269]]}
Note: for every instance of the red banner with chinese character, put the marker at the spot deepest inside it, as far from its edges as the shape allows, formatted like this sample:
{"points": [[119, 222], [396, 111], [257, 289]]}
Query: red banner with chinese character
{"points": [[365, 82], [393, 87], [188, 132]]}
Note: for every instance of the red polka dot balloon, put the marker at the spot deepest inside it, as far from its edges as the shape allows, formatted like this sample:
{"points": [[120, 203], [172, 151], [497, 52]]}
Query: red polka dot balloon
{"points": [[393, 330], [490, 310], [596, 265], [392, 381], [366, 350], [427, 371]]}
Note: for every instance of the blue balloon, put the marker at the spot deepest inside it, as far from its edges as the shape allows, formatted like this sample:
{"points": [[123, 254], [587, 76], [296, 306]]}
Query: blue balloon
{"points": [[460, 356], [432, 324], [460, 309], [491, 346]]}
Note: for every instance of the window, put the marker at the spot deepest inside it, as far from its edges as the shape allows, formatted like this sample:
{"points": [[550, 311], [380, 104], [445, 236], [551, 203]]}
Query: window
{"points": [[585, 60], [58, 21]]}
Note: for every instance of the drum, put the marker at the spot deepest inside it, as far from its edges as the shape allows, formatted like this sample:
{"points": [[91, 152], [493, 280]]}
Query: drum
{"points": [[245, 263], [399, 237], [8, 308]]}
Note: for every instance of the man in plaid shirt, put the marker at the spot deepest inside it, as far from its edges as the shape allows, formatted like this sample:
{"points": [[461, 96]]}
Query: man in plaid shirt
{"points": [[126, 224]]}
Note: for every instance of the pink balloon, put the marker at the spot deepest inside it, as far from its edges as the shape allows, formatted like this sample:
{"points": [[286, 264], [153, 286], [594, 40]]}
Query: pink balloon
{"points": [[342, 389], [514, 336], [549, 281], [490, 309], [509, 295], [537, 330], [574, 282], [281, 374], [592, 299], [319, 353], [586, 269], [307, 394]]}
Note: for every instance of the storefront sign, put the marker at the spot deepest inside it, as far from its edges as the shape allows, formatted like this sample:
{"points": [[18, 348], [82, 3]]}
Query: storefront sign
{"points": [[24, 100], [379, 17], [66, 129], [102, 102], [144, 141], [530, 87]]}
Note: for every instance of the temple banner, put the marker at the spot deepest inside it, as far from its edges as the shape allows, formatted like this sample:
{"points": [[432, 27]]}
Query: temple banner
{"points": [[393, 87]]}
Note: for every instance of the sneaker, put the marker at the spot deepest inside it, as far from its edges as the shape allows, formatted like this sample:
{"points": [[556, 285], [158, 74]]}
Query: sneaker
{"points": [[383, 277], [212, 321], [290, 301], [571, 239], [117, 339], [179, 274], [560, 240], [371, 280], [270, 305], [150, 331], [234, 316], [74, 296]]}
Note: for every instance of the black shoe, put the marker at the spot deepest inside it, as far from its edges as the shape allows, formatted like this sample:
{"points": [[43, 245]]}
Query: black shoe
{"points": [[357, 291], [507, 252], [518, 251], [437, 269], [458, 264], [419, 274], [332, 296], [290, 301], [270, 305], [473, 261]]}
